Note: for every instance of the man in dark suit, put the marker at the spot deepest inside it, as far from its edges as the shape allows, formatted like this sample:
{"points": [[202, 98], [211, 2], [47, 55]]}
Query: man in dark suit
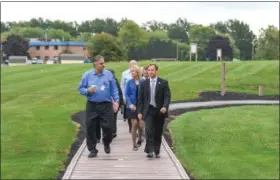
{"points": [[153, 104]]}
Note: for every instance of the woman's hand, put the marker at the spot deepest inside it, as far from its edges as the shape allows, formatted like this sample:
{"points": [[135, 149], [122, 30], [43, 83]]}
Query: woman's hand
{"points": [[132, 107]]}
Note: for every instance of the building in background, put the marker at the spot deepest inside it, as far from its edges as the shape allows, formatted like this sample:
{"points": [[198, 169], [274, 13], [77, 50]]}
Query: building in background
{"points": [[46, 50]]}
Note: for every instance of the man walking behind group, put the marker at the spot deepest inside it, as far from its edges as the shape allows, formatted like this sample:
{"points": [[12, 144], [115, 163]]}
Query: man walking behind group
{"points": [[153, 104], [99, 86]]}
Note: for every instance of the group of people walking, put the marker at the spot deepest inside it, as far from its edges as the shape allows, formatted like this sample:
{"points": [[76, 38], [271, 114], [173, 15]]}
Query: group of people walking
{"points": [[143, 97]]}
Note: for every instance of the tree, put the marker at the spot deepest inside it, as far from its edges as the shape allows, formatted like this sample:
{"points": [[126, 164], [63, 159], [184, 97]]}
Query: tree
{"points": [[178, 30], [220, 26], [3, 27], [108, 46], [132, 35], [235, 50], [85, 36], [111, 26], [16, 46], [161, 35], [268, 44], [26, 32], [59, 34], [243, 37], [201, 35], [86, 26], [155, 26], [219, 42], [241, 34]]}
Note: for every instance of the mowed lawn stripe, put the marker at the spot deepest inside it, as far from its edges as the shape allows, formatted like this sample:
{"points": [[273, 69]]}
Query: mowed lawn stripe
{"points": [[234, 142], [37, 102]]}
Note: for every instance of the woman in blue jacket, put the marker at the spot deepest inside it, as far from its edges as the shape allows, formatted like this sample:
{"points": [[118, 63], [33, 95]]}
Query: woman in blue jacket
{"points": [[131, 94]]}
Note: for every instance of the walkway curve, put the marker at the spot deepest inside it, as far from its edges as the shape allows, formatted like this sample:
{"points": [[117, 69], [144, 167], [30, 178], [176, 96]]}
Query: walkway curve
{"points": [[81, 167]]}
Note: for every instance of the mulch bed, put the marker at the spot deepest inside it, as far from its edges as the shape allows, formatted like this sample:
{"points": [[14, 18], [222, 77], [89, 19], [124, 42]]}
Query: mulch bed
{"points": [[204, 96]]}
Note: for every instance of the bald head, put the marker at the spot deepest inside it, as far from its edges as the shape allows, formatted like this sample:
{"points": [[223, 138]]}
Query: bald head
{"points": [[132, 63]]}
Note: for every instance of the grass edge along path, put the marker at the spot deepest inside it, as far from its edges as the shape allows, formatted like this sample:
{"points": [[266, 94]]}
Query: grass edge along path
{"points": [[232, 142]]}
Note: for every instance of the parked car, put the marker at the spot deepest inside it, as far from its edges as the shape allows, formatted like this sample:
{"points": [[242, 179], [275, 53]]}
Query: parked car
{"points": [[39, 61], [36, 61]]}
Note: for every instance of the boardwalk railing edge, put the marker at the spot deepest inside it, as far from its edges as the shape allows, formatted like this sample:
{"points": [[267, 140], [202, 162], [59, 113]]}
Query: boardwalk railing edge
{"points": [[174, 159], [74, 161]]}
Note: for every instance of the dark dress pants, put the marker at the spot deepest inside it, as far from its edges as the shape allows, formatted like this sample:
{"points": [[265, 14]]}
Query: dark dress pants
{"points": [[154, 122], [99, 113]]}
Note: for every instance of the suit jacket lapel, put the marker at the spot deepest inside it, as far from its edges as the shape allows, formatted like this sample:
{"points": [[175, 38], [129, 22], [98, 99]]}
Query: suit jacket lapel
{"points": [[157, 85], [149, 90]]}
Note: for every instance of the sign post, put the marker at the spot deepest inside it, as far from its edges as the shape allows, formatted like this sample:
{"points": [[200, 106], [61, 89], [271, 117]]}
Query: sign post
{"points": [[219, 54], [193, 50]]}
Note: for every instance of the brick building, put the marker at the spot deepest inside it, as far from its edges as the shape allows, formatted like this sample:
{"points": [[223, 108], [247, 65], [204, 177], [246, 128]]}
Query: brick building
{"points": [[46, 50]]}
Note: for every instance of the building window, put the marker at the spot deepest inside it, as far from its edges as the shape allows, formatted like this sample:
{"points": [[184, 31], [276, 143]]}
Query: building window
{"points": [[46, 47], [37, 47], [55, 47], [38, 57], [47, 58]]}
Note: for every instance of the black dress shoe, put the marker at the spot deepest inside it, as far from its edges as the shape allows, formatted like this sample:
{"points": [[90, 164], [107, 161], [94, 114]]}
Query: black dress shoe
{"points": [[93, 153], [114, 136], [150, 155], [107, 149], [139, 143], [157, 156]]}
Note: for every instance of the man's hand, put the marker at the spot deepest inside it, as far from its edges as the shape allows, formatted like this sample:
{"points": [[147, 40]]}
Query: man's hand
{"points": [[132, 107], [91, 89], [141, 123], [140, 116], [115, 106], [163, 110]]}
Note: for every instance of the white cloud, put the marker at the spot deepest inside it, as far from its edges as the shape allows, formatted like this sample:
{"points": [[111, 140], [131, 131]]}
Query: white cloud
{"points": [[256, 14]]}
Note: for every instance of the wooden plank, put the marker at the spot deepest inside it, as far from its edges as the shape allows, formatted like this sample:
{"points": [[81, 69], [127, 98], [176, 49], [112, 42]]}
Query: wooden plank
{"points": [[123, 162]]}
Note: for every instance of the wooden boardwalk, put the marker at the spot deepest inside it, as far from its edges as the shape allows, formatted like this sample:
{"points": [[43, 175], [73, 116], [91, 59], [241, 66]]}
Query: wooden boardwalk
{"points": [[123, 162]]}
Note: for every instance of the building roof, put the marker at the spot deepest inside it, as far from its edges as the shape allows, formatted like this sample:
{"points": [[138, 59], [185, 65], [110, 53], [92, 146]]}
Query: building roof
{"points": [[56, 43]]}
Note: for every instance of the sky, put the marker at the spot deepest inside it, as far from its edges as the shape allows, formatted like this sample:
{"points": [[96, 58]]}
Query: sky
{"points": [[257, 14]]}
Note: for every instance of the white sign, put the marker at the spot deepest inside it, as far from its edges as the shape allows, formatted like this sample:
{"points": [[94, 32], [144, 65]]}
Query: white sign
{"points": [[219, 52], [193, 48]]}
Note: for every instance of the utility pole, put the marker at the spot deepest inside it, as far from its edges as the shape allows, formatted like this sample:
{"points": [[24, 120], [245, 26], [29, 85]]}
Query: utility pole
{"points": [[177, 51], [253, 45]]}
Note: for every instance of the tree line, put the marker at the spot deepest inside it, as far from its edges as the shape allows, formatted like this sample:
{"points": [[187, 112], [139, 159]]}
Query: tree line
{"points": [[154, 39]]}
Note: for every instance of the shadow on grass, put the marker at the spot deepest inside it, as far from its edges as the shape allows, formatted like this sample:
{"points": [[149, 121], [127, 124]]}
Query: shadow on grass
{"points": [[204, 96]]}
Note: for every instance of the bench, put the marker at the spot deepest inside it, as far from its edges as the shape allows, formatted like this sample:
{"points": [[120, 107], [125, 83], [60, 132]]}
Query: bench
{"points": [[164, 59]]}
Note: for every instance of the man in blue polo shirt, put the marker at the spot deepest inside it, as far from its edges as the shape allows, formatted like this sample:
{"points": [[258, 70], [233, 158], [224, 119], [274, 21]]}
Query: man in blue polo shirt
{"points": [[100, 88]]}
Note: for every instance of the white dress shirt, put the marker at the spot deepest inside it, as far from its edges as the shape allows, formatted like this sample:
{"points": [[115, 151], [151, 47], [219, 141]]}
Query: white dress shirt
{"points": [[126, 76], [153, 91]]}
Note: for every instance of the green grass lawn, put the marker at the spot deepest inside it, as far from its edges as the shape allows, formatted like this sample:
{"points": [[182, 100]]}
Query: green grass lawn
{"points": [[229, 143], [37, 101]]}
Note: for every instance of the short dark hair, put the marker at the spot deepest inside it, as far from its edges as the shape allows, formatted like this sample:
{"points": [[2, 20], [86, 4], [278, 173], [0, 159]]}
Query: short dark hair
{"points": [[97, 58], [146, 67], [154, 66]]}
